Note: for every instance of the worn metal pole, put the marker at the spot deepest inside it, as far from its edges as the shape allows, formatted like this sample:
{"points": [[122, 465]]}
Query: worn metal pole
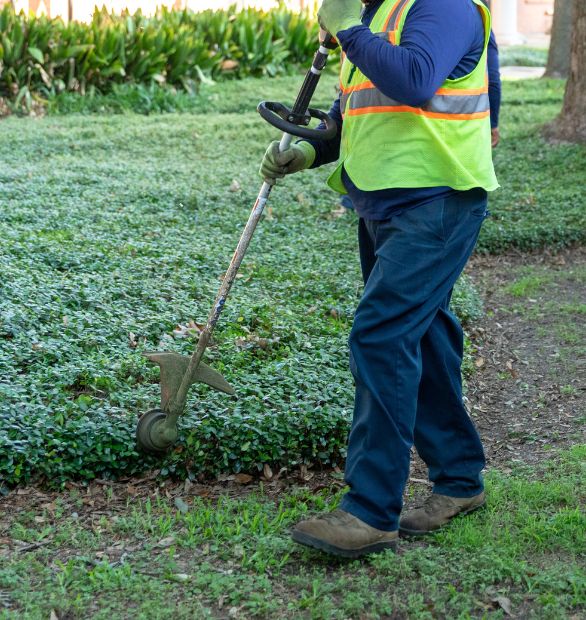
{"points": [[177, 403]]}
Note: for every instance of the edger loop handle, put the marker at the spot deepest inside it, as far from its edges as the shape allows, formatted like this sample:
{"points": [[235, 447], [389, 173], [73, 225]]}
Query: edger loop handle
{"points": [[278, 116], [295, 121]]}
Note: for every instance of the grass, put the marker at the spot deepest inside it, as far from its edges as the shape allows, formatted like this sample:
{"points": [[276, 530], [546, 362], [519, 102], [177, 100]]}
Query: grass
{"points": [[552, 301], [117, 228], [522, 555]]}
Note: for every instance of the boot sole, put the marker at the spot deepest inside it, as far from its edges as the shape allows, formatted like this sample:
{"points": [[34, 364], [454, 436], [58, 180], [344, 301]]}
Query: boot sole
{"points": [[407, 533], [322, 545]]}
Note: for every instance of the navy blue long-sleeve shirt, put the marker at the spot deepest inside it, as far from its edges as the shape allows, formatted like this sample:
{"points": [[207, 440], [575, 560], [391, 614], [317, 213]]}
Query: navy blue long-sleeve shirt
{"points": [[435, 45], [494, 81]]}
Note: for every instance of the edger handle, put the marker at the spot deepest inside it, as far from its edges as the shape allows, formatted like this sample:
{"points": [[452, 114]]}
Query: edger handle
{"points": [[294, 121], [283, 118]]}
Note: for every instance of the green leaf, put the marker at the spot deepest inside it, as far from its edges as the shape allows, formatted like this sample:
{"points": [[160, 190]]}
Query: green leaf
{"points": [[36, 53]]}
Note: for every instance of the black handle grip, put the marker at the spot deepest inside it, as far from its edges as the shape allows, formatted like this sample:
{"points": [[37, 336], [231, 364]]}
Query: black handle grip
{"points": [[277, 115], [328, 40]]}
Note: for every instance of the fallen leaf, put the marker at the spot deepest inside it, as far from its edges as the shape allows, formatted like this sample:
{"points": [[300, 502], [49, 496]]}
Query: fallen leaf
{"points": [[479, 363], [196, 326], [267, 471], [185, 331], [181, 505], [166, 542], [243, 478], [235, 186], [504, 603], [340, 212], [181, 577]]}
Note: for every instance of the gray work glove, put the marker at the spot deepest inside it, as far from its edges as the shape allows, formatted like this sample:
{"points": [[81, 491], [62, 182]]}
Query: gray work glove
{"points": [[275, 165]]}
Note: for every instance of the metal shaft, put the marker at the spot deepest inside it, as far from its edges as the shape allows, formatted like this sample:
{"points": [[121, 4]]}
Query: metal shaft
{"points": [[177, 404]]}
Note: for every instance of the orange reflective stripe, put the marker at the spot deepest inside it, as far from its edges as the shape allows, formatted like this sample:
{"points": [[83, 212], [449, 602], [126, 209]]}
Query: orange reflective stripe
{"points": [[393, 37], [464, 91], [418, 112], [363, 86], [451, 92]]}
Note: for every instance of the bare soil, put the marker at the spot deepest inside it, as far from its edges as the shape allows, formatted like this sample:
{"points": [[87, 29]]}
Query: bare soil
{"points": [[528, 393]]}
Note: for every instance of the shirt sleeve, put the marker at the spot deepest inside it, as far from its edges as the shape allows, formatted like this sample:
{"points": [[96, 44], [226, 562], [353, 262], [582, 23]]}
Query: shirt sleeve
{"points": [[432, 44], [494, 81], [327, 151]]}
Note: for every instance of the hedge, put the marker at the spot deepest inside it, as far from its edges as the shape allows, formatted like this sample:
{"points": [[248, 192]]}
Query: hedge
{"points": [[40, 57]]}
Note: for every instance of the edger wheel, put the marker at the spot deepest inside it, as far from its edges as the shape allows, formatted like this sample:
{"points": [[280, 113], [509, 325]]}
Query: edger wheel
{"points": [[148, 440]]}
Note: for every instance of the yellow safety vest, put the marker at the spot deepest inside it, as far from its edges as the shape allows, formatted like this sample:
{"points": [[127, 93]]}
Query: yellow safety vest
{"points": [[387, 144]]}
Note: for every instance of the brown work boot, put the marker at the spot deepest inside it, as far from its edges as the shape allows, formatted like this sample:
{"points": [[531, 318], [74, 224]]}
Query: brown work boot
{"points": [[436, 511], [343, 534]]}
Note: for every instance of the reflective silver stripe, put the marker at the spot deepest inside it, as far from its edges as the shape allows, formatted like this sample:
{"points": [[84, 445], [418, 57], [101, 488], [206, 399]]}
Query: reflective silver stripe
{"points": [[458, 104], [395, 13], [442, 104]]}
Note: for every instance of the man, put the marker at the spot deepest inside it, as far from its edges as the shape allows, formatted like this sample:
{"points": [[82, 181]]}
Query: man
{"points": [[415, 158]]}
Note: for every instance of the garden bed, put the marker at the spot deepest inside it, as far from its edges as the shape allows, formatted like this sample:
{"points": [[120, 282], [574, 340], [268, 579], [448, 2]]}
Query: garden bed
{"points": [[115, 232]]}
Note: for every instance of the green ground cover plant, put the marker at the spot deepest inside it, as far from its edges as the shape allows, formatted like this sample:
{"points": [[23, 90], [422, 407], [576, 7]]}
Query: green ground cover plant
{"points": [[114, 232], [541, 202], [186, 557]]}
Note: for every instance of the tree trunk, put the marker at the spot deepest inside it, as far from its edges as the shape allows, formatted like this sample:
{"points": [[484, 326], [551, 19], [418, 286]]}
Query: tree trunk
{"points": [[570, 125], [558, 58]]}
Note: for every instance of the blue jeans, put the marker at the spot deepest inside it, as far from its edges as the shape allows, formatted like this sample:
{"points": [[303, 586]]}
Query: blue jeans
{"points": [[406, 352]]}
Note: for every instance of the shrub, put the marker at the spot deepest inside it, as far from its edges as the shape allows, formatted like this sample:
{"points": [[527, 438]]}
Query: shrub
{"points": [[41, 56], [522, 56]]}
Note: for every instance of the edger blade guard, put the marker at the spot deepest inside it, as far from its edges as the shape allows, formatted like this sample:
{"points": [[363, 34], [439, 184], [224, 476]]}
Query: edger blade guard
{"points": [[173, 368]]}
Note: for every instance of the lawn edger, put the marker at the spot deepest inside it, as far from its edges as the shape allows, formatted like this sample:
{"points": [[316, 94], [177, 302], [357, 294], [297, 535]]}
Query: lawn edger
{"points": [[156, 431]]}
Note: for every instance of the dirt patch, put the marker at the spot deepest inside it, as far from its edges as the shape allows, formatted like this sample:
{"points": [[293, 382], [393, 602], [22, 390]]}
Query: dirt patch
{"points": [[527, 395]]}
